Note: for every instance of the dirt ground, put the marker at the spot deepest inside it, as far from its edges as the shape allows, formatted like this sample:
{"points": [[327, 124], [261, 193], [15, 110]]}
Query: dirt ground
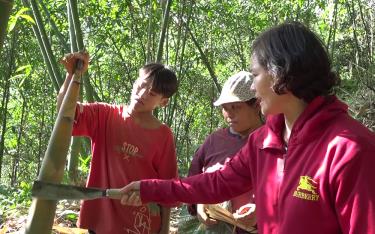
{"points": [[15, 223]]}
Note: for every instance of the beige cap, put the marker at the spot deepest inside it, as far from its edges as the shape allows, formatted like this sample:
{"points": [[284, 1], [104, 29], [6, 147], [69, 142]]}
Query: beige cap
{"points": [[236, 89]]}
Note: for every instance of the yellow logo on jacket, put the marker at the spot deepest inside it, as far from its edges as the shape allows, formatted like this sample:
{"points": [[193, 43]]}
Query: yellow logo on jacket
{"points": [[307, 189]]}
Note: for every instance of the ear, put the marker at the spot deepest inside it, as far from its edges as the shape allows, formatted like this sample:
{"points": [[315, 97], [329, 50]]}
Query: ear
{"points": [[164, 101]]}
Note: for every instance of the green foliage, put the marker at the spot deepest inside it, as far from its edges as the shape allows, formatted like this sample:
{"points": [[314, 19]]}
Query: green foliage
{"points": [[20, 14], [121, 36], [84, 164], [14, 200], [71, 217]]}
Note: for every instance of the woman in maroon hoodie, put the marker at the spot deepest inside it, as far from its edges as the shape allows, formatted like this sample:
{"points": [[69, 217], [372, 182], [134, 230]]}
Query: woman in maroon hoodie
{"points": [[311, 165]]}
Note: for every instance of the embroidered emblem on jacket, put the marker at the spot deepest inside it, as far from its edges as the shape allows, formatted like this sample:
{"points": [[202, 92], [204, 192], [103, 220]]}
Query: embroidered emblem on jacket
{"points": [[307, 189]]}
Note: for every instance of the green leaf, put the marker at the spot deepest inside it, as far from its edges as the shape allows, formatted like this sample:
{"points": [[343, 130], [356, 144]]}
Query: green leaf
{"points": [[22, 81], [13, 19], [28, 18], [22, 10], [26, 67], [12, 23]]}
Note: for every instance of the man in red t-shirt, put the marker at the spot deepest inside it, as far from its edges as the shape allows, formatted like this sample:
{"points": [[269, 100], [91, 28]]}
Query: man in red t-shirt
{"points": [[128, 144]]}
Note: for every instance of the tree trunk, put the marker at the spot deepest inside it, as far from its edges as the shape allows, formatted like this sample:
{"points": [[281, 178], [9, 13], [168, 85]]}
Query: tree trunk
{"points": [[45, 46], [72, 34], [79, 40], [163, 30], [77, 141], [205, 61], [4, 115], [5, 10], [16, 158], [59, 35], [136, 29], [46, 43], [332, 31], [149, 32], [41, 137], [5, 100], [173, 102]]}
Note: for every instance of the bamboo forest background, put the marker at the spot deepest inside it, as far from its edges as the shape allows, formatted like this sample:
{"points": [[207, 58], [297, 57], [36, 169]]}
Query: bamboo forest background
{"points": [[203, 41]]}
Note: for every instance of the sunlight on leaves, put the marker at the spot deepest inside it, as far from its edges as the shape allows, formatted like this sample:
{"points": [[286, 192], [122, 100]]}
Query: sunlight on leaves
{"points": [[13, 19]]}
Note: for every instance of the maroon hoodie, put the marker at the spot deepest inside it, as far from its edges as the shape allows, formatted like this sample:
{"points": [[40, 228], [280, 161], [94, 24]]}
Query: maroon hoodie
{"points": [[323, 182]]}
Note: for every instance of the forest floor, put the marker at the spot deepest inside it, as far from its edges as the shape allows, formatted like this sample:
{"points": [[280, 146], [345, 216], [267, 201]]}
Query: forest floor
{"points": [[65, 220]]}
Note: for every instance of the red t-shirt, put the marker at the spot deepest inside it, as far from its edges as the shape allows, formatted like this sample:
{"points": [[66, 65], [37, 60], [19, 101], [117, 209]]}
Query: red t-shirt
{"points": [[122, 152]]}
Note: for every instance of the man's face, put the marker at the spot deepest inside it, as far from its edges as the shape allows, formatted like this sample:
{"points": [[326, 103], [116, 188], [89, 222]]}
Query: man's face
{"points": [[143, 98], [240, 116]]}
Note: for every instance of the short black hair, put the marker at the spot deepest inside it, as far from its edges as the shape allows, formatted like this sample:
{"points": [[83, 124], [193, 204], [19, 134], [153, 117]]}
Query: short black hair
{"points": [[297, 59], [164, 80]]}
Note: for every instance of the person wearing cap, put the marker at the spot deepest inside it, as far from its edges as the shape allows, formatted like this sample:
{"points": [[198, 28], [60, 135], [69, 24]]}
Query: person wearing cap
{"points": [[242, 114]]}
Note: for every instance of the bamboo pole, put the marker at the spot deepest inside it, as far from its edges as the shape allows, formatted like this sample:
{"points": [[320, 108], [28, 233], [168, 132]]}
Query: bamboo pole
{"points": [[5, 10], [45, 42], [163, 30], [79, 40], [42, 212], [43, 50]]}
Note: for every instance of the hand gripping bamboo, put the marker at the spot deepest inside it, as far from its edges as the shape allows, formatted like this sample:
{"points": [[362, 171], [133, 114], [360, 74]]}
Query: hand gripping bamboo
{"points": [[42, 212]]}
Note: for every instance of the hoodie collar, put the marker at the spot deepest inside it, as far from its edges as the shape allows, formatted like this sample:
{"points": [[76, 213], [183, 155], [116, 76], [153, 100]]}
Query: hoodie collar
{"points": [[308, 124]]}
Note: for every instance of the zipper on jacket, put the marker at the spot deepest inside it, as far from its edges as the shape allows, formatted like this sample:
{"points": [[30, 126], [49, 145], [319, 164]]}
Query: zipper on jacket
{"points": [[281, 174]]}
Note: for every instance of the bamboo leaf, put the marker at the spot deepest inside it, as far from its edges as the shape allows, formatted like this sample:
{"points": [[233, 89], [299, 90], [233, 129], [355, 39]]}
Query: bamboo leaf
{"points": [[28, 18], [26, 67], [12, 23], [22, 10]]}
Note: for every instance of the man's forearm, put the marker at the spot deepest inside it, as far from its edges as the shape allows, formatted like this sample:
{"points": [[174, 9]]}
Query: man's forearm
{"points": [[62, 92]]}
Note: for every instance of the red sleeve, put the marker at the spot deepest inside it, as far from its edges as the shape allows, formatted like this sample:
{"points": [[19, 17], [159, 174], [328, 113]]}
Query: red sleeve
{"points": [[88, 117], [207, 188], [355, 192], [166, 164]]}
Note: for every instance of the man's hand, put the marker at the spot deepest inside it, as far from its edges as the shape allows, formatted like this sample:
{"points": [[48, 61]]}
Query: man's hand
{"points": [[131, 194], [203, 217], [70, 61]]}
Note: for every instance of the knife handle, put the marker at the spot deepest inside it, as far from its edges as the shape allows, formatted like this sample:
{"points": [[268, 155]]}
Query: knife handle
{"points": [[113, 193]]}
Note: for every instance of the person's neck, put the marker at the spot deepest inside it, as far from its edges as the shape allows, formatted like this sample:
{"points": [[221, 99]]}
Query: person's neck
{"points": [[140, 116], [295, 109], [246, 132], [145, 119]]}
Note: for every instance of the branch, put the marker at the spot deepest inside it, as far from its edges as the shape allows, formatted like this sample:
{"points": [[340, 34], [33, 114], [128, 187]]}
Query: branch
{"points": [[205, 60]]}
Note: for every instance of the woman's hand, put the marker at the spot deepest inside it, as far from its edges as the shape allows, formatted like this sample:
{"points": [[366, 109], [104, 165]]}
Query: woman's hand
{"points": [[130, 194], [203, 216], [70, 61]]}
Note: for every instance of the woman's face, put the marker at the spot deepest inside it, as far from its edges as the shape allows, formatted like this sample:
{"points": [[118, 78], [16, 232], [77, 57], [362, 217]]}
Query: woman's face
{"points": [[270, 102], [240, 116]]}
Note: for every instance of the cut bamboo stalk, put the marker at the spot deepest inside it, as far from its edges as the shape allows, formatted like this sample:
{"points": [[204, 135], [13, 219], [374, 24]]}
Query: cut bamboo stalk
{"points": [[42, 212]]}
